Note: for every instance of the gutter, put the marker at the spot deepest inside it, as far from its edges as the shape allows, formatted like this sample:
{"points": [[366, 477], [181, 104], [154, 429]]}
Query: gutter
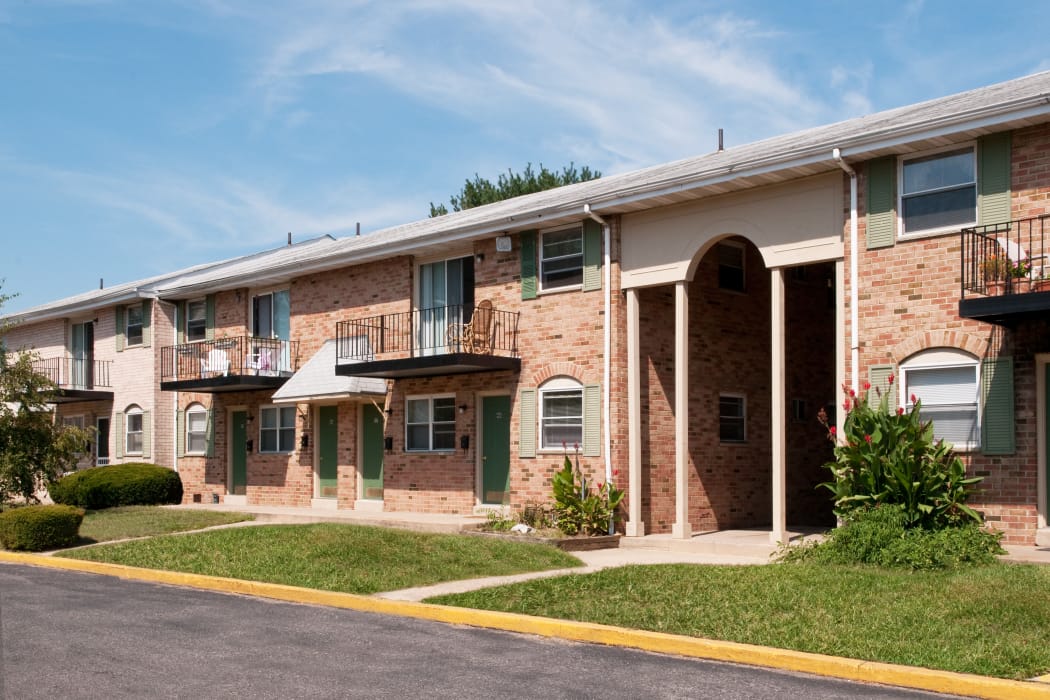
{"points": [[606, 340], [854, 255]]}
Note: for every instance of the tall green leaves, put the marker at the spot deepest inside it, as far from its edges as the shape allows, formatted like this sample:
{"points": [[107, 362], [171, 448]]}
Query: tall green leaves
{"points": [[890, 457]]}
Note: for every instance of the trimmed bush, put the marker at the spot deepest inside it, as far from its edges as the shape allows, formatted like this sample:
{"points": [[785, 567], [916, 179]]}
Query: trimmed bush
{"points": [[36, 528], [131, 484], [881, 536]]}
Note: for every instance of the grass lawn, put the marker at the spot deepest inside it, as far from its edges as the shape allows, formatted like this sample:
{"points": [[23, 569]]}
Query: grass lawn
{"points": [[332, 557], [992, 620], [143, 521]]}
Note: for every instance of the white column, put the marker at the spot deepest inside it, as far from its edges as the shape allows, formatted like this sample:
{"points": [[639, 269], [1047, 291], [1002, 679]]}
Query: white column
{"points": [[634, 527], [777, 414], [681, 528]]}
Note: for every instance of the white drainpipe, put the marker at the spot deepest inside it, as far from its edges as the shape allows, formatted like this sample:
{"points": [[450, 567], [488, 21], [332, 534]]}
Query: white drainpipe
{"points": [[607, 340], [854, 255]]}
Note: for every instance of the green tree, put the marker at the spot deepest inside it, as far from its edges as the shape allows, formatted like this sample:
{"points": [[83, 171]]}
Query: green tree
{"points": [[511, 184], [34, 448]]}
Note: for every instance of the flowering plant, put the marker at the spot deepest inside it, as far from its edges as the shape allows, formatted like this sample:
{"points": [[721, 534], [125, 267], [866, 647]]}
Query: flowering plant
{"points": [[887, 456], [578, 509]]}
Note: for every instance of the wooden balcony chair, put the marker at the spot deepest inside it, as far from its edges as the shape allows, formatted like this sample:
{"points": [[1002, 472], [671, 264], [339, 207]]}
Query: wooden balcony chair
{"points": [[474, 337]]}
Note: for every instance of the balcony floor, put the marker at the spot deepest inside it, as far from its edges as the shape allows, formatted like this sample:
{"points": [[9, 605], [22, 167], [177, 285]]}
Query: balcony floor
{"points": [[1006, 309], [227, 383], [429, 366]]}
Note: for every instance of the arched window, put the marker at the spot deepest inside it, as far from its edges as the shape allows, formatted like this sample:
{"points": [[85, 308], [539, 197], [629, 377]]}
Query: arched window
{"points": [[946, 382], [561, 413], [196, 429], [133, 430]]}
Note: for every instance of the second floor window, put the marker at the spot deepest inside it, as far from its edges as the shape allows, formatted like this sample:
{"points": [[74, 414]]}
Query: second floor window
{"points": [[196, 320], [133, 326], [561, 259], [271, 315], [939, 191]]}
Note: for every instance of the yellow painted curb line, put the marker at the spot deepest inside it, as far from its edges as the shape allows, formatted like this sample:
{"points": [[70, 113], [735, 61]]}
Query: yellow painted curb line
{"points": [[783, 659]]}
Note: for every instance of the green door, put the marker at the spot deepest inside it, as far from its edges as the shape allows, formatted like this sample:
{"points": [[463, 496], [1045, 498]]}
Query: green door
{"points": [[328, 453], [371, 453], [239, 452], [495, 449]]}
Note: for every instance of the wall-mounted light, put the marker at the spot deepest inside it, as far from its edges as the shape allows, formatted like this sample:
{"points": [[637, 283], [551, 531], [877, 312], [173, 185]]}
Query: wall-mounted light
{"points": [[479, 258], [389, 411], [463, 408], [250, 418]]}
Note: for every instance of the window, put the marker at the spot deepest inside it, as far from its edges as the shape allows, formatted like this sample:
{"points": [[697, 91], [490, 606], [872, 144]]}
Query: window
{"points": [[133, 324], [561, 259], [196, 320], [731, 266], [196, 429], [276, 429], [939, 191], [561, 414], [946, 383], [133, 431], [271, 315], [75, 421], [430, 423], [732, 418]]}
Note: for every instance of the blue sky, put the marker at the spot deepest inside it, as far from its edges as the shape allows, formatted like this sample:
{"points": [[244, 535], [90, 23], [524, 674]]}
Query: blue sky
{"points": [[139, 137]]}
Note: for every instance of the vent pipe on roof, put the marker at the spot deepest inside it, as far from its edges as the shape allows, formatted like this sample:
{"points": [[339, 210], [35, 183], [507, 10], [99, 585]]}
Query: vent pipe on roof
{"points": [[358, 228], [100, 283], [289, 238], [721, 146]]}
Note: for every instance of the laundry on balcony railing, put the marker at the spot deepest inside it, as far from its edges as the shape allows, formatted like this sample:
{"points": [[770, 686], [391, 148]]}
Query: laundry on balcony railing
{"points": [[242, 355], [1007, 258], [471, 329], [68, 372]]}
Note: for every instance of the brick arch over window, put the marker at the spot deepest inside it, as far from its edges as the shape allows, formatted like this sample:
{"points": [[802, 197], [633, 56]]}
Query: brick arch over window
{"points": [[561, 369], [975, 345]]}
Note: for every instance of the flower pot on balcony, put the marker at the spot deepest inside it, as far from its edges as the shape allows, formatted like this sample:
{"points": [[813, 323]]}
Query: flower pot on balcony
{"points": [[1042, 285]]}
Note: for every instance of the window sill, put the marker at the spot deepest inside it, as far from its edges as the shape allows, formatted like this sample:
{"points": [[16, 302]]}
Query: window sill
{"points": [[276, 452], [559, 290], [933, 233], [449, 451], [733, 443]]}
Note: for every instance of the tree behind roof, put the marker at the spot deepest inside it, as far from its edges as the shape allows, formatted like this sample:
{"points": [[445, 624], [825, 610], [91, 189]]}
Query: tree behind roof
{"points": [[511, 184]]}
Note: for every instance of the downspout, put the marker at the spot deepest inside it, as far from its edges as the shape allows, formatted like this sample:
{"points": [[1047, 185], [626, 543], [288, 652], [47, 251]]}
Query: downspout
{"points": [[854, 254], [175, 394], [606, 340]]}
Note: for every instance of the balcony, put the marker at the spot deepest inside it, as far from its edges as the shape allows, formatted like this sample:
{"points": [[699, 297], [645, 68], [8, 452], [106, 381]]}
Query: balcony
{"points": [[443, 340], [77, 379], [228, 364], [1005, 271]]}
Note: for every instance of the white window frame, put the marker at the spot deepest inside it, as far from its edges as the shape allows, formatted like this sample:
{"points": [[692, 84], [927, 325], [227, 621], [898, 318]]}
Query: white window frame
{"points": [[128, 325], [944, 358], [541, 286], [431, 424], [133, 412], [742, 418], [901, 196], [76, 421], [279, 428], [203, 320], [743, 265], [195, 409], [564, 386]]}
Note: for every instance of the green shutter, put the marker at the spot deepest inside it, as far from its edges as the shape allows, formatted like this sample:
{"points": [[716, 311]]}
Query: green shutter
{"points": [[121, 438], [180, 323], [146, 435], [528, 265], [121, 329], [592, 420], [209, 432], [209, 317], [180, 433], [993, 179], [527, 423], [882, 202], [592, 256], [997, 406], [879, 378], [147, 321]]}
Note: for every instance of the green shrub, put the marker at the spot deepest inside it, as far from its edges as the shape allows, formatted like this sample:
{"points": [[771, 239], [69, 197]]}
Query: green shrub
{"points": [[890, 457], [130, 484], [881, 536], [36, 528]]}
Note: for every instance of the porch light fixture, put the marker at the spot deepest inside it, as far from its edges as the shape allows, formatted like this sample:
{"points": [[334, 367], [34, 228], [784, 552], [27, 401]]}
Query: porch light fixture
{"points": [[463, 408], [479, 258]]}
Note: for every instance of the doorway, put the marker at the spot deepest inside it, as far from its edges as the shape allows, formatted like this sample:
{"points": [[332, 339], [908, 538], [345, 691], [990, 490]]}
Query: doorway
{"points": [[495, 450], [239, 448], [371, 453]]}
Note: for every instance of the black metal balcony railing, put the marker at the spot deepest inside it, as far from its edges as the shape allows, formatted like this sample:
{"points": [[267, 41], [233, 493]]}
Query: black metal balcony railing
{"points": [[434, 331], [222, 357], [74, 373], [1005, 259]]}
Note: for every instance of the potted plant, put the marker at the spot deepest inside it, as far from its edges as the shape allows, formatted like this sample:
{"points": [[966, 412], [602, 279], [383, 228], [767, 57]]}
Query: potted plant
{"points": [[994, 273]]}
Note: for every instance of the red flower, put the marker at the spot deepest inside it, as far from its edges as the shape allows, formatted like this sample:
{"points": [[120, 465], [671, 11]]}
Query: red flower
{"points": [[867, 385], [845, 405], [900, 411], [913, 399], [852, 393], [616, 472], [891, 379], [867, 439], [833, 431]]}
